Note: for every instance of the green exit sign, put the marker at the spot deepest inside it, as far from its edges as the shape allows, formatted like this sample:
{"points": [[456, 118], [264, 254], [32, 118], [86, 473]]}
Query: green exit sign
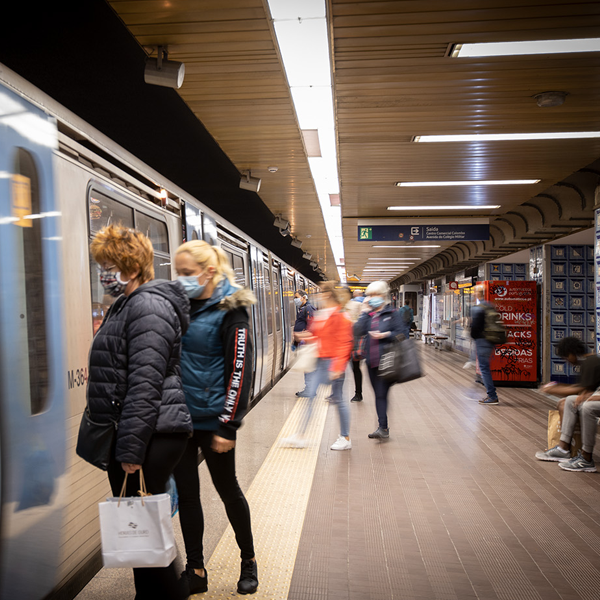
{"points": [[365, 233]]}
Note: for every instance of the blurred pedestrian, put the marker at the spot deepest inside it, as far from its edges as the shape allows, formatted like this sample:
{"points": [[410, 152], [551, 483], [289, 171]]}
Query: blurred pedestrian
{"points": [[332, 330], [304, 314], [135, 377], [378, 324], [217, 379]]}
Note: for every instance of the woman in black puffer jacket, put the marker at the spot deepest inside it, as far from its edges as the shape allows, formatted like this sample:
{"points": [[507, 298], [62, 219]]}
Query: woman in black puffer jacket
{"points": [[135, 377]]}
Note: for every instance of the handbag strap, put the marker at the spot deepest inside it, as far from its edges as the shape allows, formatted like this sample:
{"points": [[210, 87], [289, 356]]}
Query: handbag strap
{"points": [[143, 492]]}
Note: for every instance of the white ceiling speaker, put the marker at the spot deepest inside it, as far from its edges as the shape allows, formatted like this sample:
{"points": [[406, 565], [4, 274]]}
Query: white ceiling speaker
{"points": [[296, 243], [313, 264], [307, 256], [285, 232], [546, 99], [247, 182], [164, 72]]}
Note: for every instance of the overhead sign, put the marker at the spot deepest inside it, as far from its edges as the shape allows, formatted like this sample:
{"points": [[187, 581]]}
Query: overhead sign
{"points": [[424, 233]]}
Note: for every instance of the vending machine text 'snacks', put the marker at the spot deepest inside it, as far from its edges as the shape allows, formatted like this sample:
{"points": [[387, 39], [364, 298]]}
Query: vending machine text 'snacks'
{"points": [[516, 302]]}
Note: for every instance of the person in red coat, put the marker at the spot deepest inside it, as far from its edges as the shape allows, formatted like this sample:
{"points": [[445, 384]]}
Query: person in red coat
{"points": [[332, 330]]}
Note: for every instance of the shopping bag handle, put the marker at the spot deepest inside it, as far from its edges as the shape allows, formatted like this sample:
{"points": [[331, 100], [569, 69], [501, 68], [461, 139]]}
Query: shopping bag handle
{"points": [[143, 492]]}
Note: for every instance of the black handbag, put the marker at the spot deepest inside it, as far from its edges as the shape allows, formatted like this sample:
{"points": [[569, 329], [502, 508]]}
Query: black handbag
{"points": [[400, 361], [95, 440]]}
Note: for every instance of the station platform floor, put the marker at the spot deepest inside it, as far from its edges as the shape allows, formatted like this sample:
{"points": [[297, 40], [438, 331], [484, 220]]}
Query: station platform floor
{"points": [[453, 506]]}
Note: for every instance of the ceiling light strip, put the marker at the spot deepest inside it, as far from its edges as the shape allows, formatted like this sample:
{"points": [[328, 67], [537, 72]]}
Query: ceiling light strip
{"points": [[449, 207], [465, 183], [302, 35], [407, 246], [525, 48], [504, 137]]}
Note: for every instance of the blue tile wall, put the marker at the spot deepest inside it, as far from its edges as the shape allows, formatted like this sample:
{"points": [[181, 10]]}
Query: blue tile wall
{"points": [[572, 303], [508, 271]]}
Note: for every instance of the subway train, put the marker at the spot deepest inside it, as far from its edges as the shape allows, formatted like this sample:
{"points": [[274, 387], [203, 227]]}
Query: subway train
{"points": [[60, 181]]}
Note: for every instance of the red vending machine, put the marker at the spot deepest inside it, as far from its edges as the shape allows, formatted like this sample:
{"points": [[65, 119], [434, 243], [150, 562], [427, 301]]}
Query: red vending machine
{"points": [[516, 362]]}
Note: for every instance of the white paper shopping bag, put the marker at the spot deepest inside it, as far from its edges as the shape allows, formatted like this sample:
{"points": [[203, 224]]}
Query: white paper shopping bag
{"points": [[137, 532]]}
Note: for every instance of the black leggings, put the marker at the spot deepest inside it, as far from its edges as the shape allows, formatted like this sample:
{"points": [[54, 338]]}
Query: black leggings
{"points": [[222, 471], [357, 377], [162, 454]]}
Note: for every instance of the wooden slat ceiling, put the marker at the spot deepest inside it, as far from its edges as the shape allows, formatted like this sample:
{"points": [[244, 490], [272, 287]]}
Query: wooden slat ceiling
{"points": [[236, 85], [392, 81]]}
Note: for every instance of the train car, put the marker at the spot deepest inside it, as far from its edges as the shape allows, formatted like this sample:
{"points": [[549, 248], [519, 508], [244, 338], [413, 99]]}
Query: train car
{"points": [[60, 182]]}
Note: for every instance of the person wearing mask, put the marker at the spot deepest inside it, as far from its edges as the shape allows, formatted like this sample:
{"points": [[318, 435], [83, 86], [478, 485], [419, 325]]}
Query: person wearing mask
{"points": [[483, 347], [304, 313], [216, 368], [135, 377], [379, 322], [332, 330], [358, 296]]}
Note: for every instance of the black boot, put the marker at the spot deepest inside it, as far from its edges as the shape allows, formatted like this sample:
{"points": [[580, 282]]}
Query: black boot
{"points": [[248, 583]]}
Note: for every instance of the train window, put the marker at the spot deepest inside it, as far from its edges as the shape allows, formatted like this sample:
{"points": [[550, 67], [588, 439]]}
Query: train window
{"points": [[239, 270], [106, 211], [276, 300], [267, 284], [32, 309], [154, 229]]}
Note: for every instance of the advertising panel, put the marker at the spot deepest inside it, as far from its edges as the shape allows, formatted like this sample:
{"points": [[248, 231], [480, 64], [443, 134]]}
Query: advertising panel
{"points": [[516, 302]]}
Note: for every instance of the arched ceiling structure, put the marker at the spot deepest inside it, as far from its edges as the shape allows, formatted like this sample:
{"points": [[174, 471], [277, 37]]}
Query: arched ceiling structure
{"points": [[394, 78]]}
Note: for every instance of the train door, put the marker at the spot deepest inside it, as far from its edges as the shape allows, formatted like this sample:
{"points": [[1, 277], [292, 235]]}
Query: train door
{"points": [[258, 322], [289, 313], [278, 334], [32, 371], [269, 347]]}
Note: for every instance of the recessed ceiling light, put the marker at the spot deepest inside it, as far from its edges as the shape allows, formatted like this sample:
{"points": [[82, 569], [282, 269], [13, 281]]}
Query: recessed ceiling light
{"points": [[475, 182], [497, 137], [406, 247], [450, 207], [528, 47]]}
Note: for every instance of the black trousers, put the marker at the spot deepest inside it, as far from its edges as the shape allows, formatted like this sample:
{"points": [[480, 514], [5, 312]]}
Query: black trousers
{"points": [[162, 454], [381, 388], [222, 471], [357, 377]]}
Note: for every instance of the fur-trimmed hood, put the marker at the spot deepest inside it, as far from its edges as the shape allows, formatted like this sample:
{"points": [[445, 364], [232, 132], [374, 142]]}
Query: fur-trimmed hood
{"points": [[242, 297]]}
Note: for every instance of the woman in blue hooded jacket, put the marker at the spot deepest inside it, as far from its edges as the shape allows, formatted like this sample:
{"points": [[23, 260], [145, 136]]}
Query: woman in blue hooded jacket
{"points": [[216, 365]]}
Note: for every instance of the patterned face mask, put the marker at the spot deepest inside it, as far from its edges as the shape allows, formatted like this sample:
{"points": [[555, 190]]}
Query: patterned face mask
{"points": [[111, 282]]}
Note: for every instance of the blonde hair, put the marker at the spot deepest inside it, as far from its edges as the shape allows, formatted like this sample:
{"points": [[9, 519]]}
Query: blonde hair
{"points": [[209, 256], [328, 287], [128, 249]]}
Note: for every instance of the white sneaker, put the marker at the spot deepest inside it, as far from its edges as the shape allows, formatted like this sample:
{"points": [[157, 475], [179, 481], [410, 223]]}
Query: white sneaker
{"points": [[294, 441], [342, 444], [468, 364]]}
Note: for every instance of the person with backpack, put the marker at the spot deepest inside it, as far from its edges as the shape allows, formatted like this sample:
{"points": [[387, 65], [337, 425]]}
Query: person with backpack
{"points": [[407, 317], [487, 331]]}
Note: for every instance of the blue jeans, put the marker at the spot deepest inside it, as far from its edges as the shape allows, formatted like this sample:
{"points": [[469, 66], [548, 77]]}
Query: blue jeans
{"points": [[484, 351], [320, 376]]}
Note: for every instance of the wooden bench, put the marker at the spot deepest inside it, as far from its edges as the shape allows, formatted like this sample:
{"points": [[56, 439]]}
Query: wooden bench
{"points": [[438, 341]]}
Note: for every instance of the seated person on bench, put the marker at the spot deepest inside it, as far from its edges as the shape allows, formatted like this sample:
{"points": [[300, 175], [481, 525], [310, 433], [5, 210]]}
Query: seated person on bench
{"points": [[582, 402]]}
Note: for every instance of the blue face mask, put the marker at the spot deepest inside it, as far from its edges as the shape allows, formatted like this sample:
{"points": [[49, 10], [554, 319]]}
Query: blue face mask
{"points": [[375, 301], [190, 284], [298, 302]]}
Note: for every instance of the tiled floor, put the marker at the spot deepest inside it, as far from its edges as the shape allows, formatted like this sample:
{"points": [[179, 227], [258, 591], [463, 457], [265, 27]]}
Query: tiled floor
{"points": [[453, 506]]}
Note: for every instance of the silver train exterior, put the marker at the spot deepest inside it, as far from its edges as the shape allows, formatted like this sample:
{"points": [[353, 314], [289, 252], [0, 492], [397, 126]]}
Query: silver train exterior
{"points": [[55, 191]]}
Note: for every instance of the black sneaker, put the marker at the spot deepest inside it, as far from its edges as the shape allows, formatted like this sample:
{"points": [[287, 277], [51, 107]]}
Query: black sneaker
{"points": [[380, 433], [302, 394], [191, 583], [248, 583], [357, 398]]}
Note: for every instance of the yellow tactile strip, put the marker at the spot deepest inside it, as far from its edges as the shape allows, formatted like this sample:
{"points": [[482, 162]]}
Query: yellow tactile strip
{"points": [[278, 498]]}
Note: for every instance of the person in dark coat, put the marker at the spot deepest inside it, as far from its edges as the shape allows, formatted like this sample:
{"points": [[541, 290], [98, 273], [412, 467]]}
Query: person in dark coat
{"points": [[217, 379], [305, 312], [378, 323], [135, 377]]}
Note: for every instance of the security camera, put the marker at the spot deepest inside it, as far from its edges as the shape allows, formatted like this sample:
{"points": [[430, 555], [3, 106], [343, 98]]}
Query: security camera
{"points": [[281, 222], [296, 243], [272, 169]]}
